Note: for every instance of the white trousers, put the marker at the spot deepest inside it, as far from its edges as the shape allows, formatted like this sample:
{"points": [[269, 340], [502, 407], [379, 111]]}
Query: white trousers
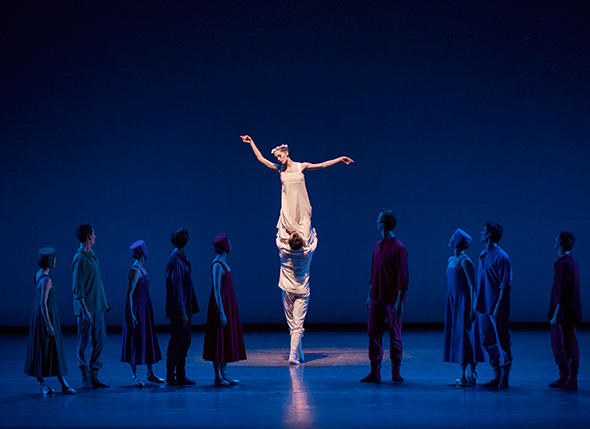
{"points": [[295, 311]]}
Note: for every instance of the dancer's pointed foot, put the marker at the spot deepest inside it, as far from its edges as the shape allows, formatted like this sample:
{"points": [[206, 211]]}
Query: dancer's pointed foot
{"points": [[137, 382], [462, 382], [67, 390], [221, 382], [45, 388], [155, 379], [230, 380], [65, 387]]}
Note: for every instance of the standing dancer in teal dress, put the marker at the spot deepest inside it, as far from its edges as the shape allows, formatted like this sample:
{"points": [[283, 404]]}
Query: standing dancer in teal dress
{"points": [[45, 352]]}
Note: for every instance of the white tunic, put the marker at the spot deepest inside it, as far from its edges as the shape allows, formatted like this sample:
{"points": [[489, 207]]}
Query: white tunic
{"points": [[295, 265], [295, 213]]}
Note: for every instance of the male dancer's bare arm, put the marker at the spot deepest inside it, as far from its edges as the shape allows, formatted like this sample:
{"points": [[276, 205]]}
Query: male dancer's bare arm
{"points": [[398, 307]]}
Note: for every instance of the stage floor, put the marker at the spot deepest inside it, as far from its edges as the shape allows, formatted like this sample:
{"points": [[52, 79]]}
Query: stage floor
{"points": [[324, 392]]}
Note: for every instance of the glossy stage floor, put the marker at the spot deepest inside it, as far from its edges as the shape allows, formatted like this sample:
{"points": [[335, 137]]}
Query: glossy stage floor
{"points": [[324, 392]]}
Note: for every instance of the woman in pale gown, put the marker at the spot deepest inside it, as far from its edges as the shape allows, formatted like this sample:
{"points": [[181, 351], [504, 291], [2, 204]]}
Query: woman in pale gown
{"points": [[295, 213]]}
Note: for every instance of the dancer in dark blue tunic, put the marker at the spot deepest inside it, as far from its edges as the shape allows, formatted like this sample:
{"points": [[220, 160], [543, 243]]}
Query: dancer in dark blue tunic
{"points": [[140, 342], [181, 304], [462, 343], [45, 352]]}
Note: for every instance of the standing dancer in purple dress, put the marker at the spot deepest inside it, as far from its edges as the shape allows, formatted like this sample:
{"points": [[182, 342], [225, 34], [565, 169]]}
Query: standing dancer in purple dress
{"points": [[462, 343], [224, 341], [140, 342]]}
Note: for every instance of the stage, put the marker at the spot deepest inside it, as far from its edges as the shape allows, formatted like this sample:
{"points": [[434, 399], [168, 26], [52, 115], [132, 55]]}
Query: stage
{"points": [[324, 392]]}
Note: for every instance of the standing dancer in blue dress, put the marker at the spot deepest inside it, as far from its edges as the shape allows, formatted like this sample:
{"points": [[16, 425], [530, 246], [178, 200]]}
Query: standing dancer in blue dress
{"points": [[461, 337], [140, 343], [45, 351]]}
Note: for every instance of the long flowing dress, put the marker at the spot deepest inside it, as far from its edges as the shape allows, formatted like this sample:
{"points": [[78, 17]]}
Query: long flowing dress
{"points": [[45, 354], [224, 344], [462, 344], [140, 344], [295, 215]]}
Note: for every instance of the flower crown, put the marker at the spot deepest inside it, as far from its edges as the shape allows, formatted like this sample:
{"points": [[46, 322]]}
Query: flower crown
{"points": [[281, 147]]}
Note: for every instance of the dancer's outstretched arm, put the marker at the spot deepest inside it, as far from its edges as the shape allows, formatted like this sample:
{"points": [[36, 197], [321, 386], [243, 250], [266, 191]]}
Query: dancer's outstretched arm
{"points": [[259, 157], [310, 166]]}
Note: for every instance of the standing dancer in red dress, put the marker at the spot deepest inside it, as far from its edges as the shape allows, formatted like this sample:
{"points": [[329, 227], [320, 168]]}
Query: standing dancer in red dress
{"points": [[224, 341]]}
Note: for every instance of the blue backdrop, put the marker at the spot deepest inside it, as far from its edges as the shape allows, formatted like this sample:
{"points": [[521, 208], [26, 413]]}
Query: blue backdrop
{"points": [[128, 116]]}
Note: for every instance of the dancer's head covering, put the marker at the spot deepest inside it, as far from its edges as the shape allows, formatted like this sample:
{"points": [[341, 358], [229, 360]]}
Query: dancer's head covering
{"points": [[458, 237], [221, 243], [280, 148], [139, 248], [46, 257]]}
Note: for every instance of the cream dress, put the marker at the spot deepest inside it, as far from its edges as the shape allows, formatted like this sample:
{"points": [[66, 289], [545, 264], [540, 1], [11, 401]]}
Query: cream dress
{"points": [[295, 213]]}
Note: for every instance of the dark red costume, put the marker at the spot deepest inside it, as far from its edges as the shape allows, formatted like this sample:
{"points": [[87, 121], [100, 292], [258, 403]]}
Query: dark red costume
{"points": [[566, 292], [224, 344], [389, 275]]}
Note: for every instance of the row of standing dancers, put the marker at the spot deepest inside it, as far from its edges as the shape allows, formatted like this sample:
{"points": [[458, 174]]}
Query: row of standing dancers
{"points": [[223, 338], [476, 315]]}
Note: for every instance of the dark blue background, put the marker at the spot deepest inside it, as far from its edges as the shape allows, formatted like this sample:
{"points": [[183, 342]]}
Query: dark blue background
{"points": [[127, 116]]}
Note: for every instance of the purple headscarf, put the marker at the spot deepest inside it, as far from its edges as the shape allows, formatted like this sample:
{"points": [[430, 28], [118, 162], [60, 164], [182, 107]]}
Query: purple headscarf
{"points": [[139, 247], [221, 243]]}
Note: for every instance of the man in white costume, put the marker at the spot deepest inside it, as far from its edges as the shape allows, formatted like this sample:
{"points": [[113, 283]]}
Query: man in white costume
{"points": [[294, 280]]}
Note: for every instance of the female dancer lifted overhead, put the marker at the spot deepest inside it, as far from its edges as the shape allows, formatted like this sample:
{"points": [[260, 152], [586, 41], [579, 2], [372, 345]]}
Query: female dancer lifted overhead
{"points": [[295, 213], [296, 239]]}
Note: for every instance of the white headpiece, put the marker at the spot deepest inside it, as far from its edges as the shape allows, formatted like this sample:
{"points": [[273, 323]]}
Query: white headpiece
{"points": [[281, 147]]}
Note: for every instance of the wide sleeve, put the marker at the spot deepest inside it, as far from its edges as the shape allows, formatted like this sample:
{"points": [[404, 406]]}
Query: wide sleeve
{"points": [[505, 273], [401, 258], [176, 274], [80, 278]]}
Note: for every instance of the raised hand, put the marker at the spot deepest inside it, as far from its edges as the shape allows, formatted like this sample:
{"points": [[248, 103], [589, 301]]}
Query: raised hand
{"points": [[346, 160], [247, 139]]}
